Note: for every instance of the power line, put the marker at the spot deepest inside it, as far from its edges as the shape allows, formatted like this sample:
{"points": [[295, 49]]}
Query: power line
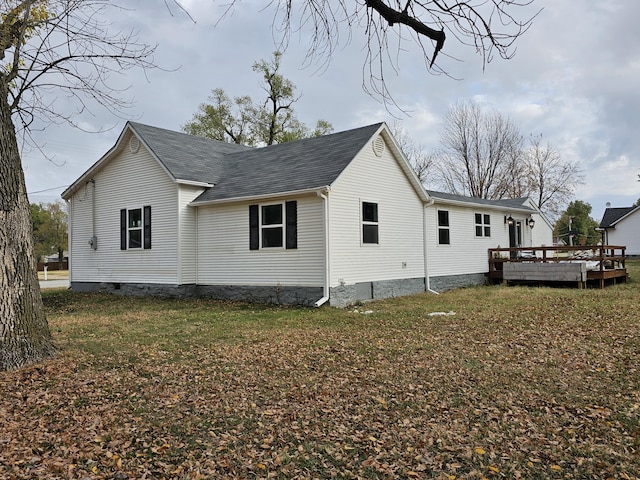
{"points": [[47, 190]]}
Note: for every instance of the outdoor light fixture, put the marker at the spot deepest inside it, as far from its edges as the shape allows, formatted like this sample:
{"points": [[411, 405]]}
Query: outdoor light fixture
{"points": [[508, 220], [531, 222]]}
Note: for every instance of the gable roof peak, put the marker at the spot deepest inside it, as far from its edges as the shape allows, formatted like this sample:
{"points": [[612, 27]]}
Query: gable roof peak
{"points": [[305, 164], [613, 215]]}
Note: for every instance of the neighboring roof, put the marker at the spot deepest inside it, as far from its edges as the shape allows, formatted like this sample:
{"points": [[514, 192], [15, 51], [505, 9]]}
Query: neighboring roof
{"points": [[186, 157], [508, 204], [288, 167], [612, 216]]}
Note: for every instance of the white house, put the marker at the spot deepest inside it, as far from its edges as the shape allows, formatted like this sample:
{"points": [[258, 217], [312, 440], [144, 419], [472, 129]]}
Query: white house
{"points": [[462, 229], [621, 226], [338, 219]]}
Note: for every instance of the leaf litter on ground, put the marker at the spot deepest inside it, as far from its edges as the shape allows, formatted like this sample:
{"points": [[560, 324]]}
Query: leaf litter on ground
{"points": [[520, 383]]}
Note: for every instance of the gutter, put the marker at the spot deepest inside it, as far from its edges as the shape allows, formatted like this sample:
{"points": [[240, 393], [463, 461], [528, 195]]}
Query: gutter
{"points": [[325, 210], [261, 197]]}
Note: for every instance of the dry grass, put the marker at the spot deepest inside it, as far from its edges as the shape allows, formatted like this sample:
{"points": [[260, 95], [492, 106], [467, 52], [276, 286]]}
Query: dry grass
{"points": [[519, 383]]}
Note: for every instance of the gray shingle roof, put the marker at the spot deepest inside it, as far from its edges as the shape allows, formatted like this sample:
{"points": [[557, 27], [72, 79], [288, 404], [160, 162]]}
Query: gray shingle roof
{"points": [[186, 157], [512, 203], [288, 167], [238, 172], [612, 215]]}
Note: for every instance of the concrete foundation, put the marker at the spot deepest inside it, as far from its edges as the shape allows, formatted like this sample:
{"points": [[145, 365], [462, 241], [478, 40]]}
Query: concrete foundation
{"points": [[279, 295], [449, 282], [341, 296]]}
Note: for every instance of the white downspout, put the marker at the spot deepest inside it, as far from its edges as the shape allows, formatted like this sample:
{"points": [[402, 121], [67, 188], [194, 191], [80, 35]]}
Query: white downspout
{"points": [[70, 237], [425, 242], [197, 232], [327, 277]]}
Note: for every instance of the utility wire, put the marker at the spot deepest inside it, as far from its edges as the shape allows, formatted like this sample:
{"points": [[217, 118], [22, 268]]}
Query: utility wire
{"points": [[48, 189]]}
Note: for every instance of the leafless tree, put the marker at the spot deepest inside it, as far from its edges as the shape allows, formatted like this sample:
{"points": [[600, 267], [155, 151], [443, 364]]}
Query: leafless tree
{"points": [[489, 27], [46, 46], [552, 181], [479, 152], [484, 155]]}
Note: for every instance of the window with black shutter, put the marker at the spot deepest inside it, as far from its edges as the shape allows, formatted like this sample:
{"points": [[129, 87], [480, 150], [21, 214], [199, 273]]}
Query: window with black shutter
{"points": [[135, 228], [273, 225]]}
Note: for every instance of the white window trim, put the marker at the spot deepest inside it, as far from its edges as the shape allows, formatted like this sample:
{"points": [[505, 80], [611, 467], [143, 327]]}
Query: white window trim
{"points": [[141, 228], [282, 225], [443, 227], [363, 223]]}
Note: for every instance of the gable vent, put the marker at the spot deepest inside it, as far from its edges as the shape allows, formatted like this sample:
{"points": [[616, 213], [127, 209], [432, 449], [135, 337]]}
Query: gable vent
{"points": [[134, 144], [378, 146]]}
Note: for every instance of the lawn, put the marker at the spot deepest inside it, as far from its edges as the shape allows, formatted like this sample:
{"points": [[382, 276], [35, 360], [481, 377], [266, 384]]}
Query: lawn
{"points": [[517, 382]]}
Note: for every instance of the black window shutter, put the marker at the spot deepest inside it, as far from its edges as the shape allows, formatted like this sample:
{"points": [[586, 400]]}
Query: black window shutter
{"points": [[292, 224], [123, 229], [147, 227], [254, 228]]}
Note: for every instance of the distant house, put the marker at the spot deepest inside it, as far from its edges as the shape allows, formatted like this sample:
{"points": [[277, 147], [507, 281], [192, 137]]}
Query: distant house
{"points": [[621, 226], [334, 219]]}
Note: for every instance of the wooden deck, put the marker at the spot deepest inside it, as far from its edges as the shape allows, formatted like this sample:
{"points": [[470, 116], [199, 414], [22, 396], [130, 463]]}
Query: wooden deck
{"points": [[605, 264]]}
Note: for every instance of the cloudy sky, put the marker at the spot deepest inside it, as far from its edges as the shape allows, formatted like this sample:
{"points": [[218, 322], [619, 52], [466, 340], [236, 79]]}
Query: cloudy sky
{"points": [[575, 79]]}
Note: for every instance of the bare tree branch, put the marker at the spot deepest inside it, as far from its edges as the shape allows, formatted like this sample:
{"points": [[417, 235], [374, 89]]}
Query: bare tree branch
{"points": [[487, 26]]}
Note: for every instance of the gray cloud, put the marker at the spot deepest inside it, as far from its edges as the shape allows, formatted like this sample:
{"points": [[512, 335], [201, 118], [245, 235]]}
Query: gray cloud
{"points": [[573, 79]]}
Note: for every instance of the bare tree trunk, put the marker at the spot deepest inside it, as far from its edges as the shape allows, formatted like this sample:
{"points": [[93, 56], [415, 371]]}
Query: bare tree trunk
{"points": [[24, 333]]}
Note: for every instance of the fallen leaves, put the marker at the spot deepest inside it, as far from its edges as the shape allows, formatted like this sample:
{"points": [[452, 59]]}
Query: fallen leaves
{"points": [[161, 392]]}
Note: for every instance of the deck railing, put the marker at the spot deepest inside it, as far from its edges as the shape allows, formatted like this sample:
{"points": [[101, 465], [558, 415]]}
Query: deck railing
{"points": [[610, 258]]}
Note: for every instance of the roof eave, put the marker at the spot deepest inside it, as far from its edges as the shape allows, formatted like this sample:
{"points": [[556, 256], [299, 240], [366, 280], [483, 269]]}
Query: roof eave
{"points": [[613, 224], [464, 203], [258, 198], [182, 181]]}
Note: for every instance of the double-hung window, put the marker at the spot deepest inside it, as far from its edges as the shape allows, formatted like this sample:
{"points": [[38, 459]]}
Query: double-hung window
{"points": [[370, 223], [135, 228], [483, 225], [443, 228], [273, 225]]}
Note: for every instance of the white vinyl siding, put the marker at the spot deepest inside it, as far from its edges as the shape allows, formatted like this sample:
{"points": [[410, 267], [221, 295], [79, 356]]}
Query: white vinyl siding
{"points": [[129, 180], [400, 252], [466, 253], [626, 233], [188, 225], [224, 257]]}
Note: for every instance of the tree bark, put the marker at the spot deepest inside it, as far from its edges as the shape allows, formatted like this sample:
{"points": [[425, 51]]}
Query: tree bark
{"points": [[24, 333]]}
